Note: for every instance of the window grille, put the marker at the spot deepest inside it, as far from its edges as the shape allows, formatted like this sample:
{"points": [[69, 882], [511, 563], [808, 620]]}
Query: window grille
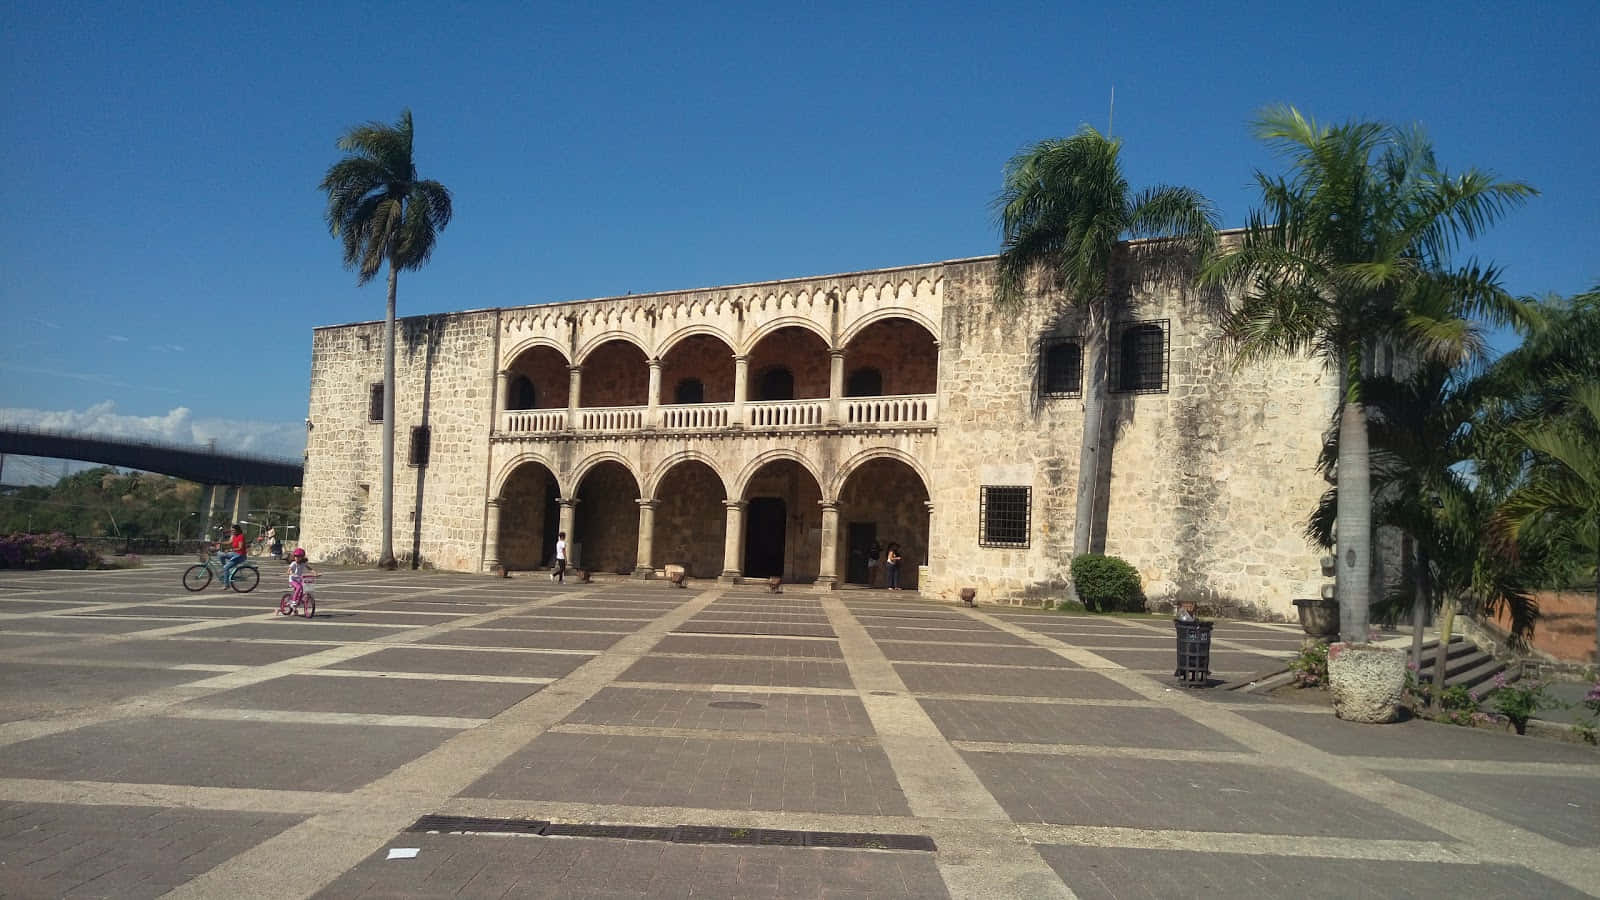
{"points": [[375, 403], [421, 441], [1003, 514], [1063, 369], [1141, 357]]}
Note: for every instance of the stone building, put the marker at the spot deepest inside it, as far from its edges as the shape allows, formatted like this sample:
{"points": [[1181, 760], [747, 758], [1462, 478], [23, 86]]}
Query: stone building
{"points": [[781, 428]]}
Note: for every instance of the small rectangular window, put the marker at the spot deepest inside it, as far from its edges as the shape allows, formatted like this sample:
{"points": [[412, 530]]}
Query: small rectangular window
{"points": [[421, 438], [1140, 357], [1063, 369], [1003, 513], [375, 403]]}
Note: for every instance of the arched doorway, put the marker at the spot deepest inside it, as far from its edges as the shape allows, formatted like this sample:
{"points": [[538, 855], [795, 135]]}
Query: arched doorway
{"points": [[529, 513], [690, 520], [782, 523], [606, 523], [883, 500], [615, 374]]}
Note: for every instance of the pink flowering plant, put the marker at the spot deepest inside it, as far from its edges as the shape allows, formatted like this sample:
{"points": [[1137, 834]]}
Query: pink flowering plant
{"points": [[1521, 700], [45, 551]]}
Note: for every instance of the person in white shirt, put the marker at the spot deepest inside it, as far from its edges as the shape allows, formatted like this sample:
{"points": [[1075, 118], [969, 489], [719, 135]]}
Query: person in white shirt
{"points": [[560, 573]]}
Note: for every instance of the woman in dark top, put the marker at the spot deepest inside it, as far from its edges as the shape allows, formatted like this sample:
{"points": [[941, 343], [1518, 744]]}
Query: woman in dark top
{"points": [[891, 566]]}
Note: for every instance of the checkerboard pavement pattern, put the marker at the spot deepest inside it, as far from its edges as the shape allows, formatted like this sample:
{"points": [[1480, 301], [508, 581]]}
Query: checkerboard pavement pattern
{"points": [[155, 742]]}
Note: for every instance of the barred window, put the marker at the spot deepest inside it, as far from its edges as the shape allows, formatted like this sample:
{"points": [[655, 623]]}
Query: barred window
{"points": [[421, 438], [375, 403], [1003, 514], [1063, 369], [1139, 357]]}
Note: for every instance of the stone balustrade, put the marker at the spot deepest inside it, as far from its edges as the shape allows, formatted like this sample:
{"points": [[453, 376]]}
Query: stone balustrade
{"points": [[533, 421], [612, 418], [918, 409], [787, 413], [694, 416]]}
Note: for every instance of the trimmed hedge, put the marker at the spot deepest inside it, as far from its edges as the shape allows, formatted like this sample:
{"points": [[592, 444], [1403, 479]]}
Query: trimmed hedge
{"points": [[1107, 583]]}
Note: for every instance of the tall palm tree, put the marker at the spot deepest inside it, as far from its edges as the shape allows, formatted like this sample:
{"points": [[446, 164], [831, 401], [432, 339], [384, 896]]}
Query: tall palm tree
{"points": [[1354, 247], [1563, 483], [382, 212], [1064, 208]]}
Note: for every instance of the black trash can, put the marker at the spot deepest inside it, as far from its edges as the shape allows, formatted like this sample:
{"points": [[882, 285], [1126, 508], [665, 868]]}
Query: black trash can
{"points": [[1194, 652]]}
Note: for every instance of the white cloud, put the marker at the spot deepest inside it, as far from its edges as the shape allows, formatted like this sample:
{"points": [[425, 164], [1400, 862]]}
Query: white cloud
{"points": [[177, 426]]}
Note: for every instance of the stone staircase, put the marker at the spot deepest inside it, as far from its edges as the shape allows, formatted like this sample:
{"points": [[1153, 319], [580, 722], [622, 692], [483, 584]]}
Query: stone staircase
{"points": [[1465, 664]]}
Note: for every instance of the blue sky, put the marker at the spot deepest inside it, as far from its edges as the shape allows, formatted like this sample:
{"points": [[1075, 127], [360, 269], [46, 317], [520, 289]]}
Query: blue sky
{"points": [[164, 257]]}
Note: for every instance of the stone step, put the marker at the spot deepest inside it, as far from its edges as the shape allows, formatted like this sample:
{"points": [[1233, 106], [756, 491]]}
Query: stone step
{"points": [[1486, 669]]}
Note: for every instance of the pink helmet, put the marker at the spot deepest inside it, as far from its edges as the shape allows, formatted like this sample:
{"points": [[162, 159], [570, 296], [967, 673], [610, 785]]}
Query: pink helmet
{"points": [[299, 553]]}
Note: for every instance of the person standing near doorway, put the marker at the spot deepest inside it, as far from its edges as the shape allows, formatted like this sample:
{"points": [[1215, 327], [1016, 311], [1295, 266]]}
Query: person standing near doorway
{"points": [[891, 566], [560, 573], [874, 562]]}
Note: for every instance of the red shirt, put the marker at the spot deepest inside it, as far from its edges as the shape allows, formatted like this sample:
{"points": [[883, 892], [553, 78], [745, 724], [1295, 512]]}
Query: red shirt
{"points": [[237, 544]]}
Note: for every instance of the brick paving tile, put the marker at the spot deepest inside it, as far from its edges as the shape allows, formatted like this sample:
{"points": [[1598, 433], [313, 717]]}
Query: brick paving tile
{"points": [[82, 624], [1033, 723], [718, 626], [1006, 656], [297, 629], [1190, 796], [379, 696], [733, 645], [1052, 682], [979, 635], [118, 851], [1159, 659], [476, 866], [650, 771], [1562, 809], [181, 611], [32, 690], [794, 713], [205, 651], [786, 672], [280, 756], [1421, 740], [525, 640], [467, 662], [1094, 873], [553, 623]]}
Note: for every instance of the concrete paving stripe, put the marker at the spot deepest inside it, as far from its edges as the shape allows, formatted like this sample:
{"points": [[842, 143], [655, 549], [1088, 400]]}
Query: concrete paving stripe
{"points": [[961, 644], [558, 811], [1251, 844], [936, 781], [97, 662], [976, 665], [427, 676], [735, 688], [1216, 639], [303, 717], [326, 846], [501, 629], [765, 637], [1477, 766], [1578, 868], [745, 657], [1102, 750], [706, 734], [170, 796], [555, 650], [1288, 709], [1039, 701]]}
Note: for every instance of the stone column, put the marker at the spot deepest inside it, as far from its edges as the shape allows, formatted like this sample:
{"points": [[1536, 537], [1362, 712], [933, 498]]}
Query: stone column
{"points": [[569, 509], [835, 384], [574, 386], [491, 537], [653, 411], [502, 399], [828, 575], [733, 542], [741, 388], [644, 565]]}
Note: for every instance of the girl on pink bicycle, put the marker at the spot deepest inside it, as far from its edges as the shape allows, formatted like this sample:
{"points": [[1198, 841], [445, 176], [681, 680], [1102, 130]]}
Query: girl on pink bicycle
{"points": [[299, 598]]}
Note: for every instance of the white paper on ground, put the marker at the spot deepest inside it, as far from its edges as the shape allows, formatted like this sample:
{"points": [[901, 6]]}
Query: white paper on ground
{"points": [[403, 852]]}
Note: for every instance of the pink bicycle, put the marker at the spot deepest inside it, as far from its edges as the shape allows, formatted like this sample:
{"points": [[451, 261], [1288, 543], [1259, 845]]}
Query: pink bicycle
{"points": [[299, 598]]}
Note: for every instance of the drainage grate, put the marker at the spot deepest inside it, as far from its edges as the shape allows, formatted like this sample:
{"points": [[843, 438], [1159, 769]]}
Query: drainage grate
{"points": [[736, 704], [680, 834]]}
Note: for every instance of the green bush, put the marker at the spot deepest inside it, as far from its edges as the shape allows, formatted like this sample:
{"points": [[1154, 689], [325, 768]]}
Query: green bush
{"points": [[1107, 583], [1310, 668]]}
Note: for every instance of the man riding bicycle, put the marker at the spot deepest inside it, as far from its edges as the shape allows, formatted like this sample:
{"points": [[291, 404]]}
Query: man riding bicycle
{"points": [[233, 555]]}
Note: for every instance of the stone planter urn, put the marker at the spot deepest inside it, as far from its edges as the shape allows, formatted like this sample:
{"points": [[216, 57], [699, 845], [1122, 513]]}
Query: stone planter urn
{"points": [[1368, 682], [1319, 617]]}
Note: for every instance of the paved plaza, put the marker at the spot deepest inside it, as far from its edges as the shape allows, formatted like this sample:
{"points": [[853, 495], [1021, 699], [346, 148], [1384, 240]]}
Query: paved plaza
{"points": [[629, 739]]}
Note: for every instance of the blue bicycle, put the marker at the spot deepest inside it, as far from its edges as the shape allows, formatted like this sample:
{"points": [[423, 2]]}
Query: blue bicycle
{"points": [[197, 578]]}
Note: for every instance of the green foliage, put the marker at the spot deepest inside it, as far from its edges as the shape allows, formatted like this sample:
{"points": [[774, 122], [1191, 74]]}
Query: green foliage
{"points": [[1070, 606], [1458, 705], [45, 551], [1520, 700], [1310, 668], [104, 502], [1107, 583]]}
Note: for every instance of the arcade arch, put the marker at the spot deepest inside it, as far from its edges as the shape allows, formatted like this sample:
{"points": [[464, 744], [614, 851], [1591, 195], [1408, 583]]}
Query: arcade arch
{"points": [[701, 359], [792, 360], [690, 520], [883, 500], [902, 353], [605, 527], [537, 379], [782, 522], [614, 374], [529, 513]]}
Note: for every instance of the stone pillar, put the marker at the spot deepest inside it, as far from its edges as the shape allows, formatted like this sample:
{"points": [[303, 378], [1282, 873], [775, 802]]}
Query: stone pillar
{"points": [[741, 388], [502, 400], [205, 509], [835, 384], [569, 509], [491, 542], [644, 566], [653, 411], [828, 575], [733, 543], [574, 386], [240, 505]]}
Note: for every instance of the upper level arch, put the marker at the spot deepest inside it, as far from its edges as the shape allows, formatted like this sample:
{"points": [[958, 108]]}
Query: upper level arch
{"points": [[597, 341], [508, 355], [862, 322], [666, 344], [768, 328]]}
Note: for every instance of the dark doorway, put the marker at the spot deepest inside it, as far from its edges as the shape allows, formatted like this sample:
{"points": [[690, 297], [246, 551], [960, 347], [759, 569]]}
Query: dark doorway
{"points": [[765, 519], [522, 394], [690, 390], [776, 384], [552, 521], [864, 383], [859, 539]]}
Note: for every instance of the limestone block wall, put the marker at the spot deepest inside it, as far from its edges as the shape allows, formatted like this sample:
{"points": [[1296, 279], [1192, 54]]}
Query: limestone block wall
{"points": [[444, 379], [1205, 485]]}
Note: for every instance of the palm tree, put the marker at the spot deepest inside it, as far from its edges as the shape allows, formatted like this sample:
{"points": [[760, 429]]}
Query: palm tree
{"points": [[1352, 248], [1064, 208], [1563, 482], [381, 211]]}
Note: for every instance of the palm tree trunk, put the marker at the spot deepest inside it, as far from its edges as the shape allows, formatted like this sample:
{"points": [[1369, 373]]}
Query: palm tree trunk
{"points": [[1095, 347], [1353, 576], [1419, 608], [1447, 621], [1597, 597], [386, 558]]}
